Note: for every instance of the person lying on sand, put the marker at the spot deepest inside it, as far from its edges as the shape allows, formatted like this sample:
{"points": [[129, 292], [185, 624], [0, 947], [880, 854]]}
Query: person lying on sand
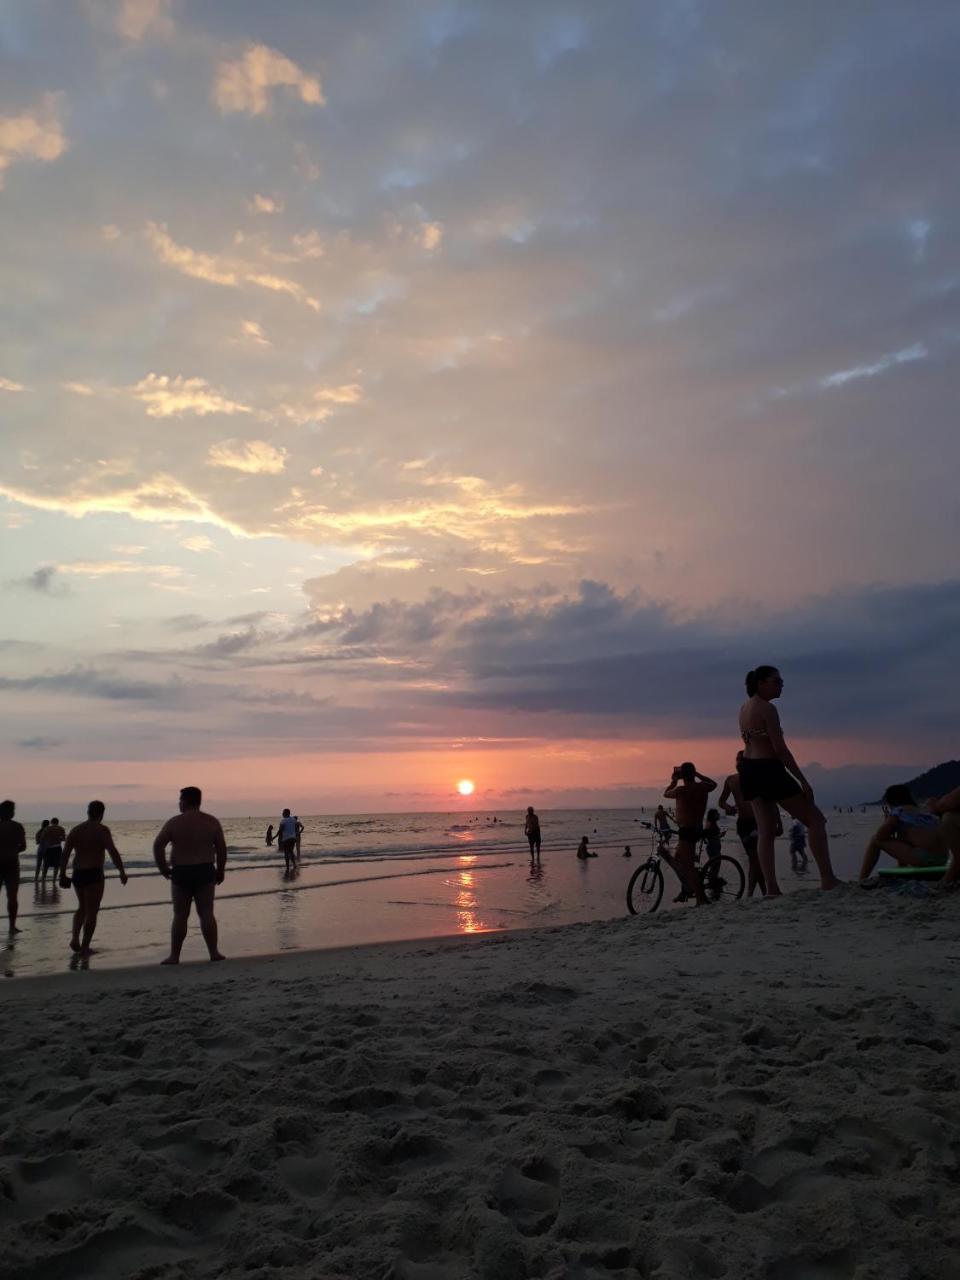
{"points": [[909, 834], [88, 843], [198, 863]]}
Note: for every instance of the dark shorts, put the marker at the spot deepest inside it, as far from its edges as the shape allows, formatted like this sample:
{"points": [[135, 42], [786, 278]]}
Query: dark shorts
{"points": [[83, 877], [51, 855], [288, 846], [534, 842], [689, 835], [10, 872], [193, 875], [766, 780]]}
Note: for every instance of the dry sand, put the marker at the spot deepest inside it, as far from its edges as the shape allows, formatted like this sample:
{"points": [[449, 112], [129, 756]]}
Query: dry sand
{"points": [[766, 1090]]}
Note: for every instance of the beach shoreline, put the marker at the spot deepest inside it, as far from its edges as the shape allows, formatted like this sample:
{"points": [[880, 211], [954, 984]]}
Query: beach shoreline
{"points": [[765, 1091]]}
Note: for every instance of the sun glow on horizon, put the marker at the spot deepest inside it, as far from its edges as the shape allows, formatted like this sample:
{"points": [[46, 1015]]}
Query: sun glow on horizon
{"points": [[465, 787]]}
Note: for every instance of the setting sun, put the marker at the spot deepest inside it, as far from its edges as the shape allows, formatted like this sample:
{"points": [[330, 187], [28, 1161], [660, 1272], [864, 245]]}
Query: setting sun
{"points": [[465, 787]]}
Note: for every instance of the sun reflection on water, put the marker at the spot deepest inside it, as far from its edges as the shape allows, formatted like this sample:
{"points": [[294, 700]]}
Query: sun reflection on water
{"points": [[468, 921]]}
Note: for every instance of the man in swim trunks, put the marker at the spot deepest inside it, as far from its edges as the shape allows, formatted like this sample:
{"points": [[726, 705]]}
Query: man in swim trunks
{"points": [[661, 824], [89, 843], [531, 829], [51, 845], [198, 863], [287, 839], [746, 827], [689, 790], [13, 841]]}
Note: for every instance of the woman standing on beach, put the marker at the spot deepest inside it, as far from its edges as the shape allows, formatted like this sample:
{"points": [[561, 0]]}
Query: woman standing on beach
{"points": [[769, 776]]}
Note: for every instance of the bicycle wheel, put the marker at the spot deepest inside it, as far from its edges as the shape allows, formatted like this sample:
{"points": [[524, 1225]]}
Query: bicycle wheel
{"points": [[645, 889], [722, 879]]}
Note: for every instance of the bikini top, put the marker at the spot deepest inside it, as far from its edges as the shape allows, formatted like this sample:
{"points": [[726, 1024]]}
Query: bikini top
{"points": [[915, 817], [747, 734]]}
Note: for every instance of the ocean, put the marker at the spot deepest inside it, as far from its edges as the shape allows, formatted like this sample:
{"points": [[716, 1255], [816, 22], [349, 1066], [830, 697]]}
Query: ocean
{"points": [[368, 878]]}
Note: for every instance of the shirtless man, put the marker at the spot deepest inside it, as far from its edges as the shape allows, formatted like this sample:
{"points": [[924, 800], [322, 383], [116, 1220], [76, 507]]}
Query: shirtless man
{"points": [[13, 841], [51, 846], [198, 863], [89, 843], [746, 827], [689, 790]]}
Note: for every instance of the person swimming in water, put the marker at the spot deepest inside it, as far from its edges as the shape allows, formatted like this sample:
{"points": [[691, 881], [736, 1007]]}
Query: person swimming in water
{"points": [[770, 777]]}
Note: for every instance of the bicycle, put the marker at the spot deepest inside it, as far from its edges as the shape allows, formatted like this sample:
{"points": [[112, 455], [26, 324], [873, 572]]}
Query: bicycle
{"points": [[722, 877]]}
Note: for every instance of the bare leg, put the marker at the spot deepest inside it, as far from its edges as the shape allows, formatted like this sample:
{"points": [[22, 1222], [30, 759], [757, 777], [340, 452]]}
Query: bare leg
{"points": [[93, 896], [685, 868], [78, 917], [182, 899], [755, 878], [208, 921], [13, 903], [765, 812], [803, 808]]}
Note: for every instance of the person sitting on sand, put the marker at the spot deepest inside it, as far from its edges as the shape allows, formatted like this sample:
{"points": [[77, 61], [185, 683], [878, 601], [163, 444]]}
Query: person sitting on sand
{"points": [[742, 810], [13, 842], [909, 834], [531, 829], [689, 790], [268, 838], [88, 842], [947, 809], [583, 852], [770, 777], [198, 863]]}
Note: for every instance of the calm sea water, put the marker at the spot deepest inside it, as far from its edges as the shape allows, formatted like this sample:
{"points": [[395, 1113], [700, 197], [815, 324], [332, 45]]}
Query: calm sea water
{"points": [[367, 878]]}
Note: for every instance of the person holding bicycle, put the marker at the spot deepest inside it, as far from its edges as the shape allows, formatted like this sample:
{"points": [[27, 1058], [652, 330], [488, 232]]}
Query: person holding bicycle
{"points": [[689, 790]]}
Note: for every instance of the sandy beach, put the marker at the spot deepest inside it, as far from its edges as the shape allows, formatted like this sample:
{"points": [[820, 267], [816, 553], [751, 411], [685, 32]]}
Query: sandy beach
{"points": [[767, 1090]]}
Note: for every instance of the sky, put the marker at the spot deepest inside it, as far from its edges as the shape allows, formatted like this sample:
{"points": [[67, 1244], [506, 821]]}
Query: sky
{"points": [[399, 392]]}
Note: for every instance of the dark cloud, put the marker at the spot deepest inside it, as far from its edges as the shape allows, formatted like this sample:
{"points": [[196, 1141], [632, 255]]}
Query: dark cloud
{"points": [[91, 683], [45, 581], [39, 744]]}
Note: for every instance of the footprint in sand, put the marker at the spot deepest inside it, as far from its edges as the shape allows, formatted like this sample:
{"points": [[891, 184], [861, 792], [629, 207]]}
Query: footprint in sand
{"points": [[529, 1195]]}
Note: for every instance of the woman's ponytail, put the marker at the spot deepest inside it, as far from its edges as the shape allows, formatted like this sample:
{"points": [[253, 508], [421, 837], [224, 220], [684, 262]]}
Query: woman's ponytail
{"points": [[754, 677]]}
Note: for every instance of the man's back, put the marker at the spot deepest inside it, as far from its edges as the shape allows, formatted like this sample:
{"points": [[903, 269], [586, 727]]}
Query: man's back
{"points": [[89, 842], [13, 838], [193, 837]]}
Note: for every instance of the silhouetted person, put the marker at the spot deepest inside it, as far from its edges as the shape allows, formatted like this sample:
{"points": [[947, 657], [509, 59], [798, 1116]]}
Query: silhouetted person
{"points": [[287, 839], [689, 790], [299, 828], [38, 841], [661, 824], [88, 842], [747, 828], [198, 863], [947, 809], [909, 834], [798, 848], [531, 829], [770, 776], [627, 851], [51, 844], [269, 836], [583, 851], [13, 842]]}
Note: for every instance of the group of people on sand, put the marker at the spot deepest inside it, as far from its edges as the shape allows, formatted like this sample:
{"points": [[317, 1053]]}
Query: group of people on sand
{"points": [[195, 865]]}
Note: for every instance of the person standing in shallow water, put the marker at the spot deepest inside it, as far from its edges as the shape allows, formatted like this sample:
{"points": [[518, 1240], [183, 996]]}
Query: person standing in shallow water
{"points": [[198, 863], [88, 843], [770, 777], [13, 842], [531, 829]]}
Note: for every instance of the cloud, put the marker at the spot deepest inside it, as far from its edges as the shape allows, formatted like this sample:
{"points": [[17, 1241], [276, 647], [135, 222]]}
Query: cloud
{"points": [[34, 135], [110, 568], [39, 744], [79, 388], [43, 580], [202, 266], [6, 384], [167, 397], [252, 331], [136, 19], [88, 682], [198, 543], [280, 284], [158, 499], [245, 84], [265, 204], [349, 393], [256, 457]]}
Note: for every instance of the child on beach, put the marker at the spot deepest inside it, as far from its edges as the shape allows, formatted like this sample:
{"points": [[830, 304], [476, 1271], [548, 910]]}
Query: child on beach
{"points": [[583, 852]]}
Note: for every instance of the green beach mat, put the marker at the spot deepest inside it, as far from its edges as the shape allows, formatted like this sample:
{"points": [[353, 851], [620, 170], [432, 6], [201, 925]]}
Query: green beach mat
{"points": [[912, 873]]}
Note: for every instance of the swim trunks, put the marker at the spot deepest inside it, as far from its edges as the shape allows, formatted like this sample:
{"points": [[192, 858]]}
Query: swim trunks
{"points": [[10, 871], [766, 780], [193, 875], [83, 877], [288, 846], [51, 855], [690, 834]]}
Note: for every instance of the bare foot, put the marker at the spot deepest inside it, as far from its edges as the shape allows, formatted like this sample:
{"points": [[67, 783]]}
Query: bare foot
{"points": [[171, 960], [88, 951], [777, 893], [74, 944], [14, 929], [217, 956], [832, 883]]}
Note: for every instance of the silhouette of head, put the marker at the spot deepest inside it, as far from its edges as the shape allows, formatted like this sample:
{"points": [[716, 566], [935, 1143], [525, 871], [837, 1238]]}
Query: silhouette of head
{"points": [[96, 809], [713, 815], [7, 810], [44, 823], [190, 797], [765, 680], [898, 794], [687, 771], [529, 808], [286, 813], [54, 822]]}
